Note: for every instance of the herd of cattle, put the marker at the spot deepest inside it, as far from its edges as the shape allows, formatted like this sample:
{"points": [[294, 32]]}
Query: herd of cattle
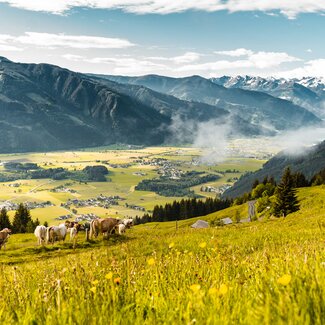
{"points": [[52, 234]]}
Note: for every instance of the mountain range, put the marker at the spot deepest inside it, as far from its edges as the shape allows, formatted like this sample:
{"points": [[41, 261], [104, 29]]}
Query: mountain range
{"points": [[260, 109], [308, 92], [45, 107], [309, 162]]}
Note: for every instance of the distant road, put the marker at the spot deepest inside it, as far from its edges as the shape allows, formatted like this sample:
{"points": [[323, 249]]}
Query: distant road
{"points": [[38, 186], [251, 209]]}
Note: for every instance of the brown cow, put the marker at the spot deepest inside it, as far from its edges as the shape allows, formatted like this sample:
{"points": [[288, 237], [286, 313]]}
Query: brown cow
{"points": [[4, 235], [104, 226]]}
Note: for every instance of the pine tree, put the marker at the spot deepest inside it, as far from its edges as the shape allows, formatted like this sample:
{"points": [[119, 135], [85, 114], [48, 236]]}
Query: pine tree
{"points": [[4, 219], [285, 197], [21, 219]]}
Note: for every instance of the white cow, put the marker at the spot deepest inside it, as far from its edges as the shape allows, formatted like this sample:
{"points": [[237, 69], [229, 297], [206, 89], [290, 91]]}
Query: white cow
{"points": [[40, 233], [127, 222], [56, 233], [121, 228], [73, 233]]}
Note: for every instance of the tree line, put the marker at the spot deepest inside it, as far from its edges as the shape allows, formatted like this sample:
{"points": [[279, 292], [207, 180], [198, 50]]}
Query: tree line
{"points": [[22, 221], [184, 209]]}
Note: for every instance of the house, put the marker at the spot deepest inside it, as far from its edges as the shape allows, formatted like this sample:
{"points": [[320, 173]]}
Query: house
{"points": [[200, 224]]}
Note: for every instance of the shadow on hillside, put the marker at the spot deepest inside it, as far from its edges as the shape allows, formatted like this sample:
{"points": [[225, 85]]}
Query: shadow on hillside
{"points": [[36, 253]]}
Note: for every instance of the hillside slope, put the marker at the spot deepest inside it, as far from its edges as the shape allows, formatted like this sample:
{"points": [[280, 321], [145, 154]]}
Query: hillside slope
{"points": [[311, 161]]}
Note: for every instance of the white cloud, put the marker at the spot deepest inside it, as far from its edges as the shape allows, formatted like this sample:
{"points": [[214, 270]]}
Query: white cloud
{"points": [[121, 64], [312, 68], [73, 57], [257, 60], [262, 60], [187, 57], [288, 8], [10, 48], [73, 41], [235, 53]]}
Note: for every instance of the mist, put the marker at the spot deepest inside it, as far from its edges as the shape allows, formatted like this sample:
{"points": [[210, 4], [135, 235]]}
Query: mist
{"points": [[217, 138]]}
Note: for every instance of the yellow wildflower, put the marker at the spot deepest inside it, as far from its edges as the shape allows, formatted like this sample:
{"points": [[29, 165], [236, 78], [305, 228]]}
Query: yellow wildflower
{"points": [[93, 289], [95, 282], [223, 289], [151, 261], [171, 245], [195, 287], [213, 291], [285, 279], [109, 275], [203, 245]]}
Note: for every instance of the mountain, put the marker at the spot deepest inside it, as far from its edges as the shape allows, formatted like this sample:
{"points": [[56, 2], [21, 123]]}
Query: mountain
{"points": [[310, 162], [44, 107], [258, 108], [189, 112], [306, 92]]}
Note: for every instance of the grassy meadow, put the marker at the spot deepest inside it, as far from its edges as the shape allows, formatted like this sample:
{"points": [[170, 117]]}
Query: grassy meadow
{"points": [[264, 272]]}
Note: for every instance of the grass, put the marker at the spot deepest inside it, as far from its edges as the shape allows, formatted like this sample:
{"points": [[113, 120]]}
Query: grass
{"points": [[269, 272]]}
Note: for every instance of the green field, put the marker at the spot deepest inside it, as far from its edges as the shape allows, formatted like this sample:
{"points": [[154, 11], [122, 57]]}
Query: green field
{"points": [[264, 272], [123, 180]]}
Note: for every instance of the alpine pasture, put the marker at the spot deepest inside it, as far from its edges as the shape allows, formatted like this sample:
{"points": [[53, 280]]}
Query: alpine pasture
{"points": [[269, 272]]}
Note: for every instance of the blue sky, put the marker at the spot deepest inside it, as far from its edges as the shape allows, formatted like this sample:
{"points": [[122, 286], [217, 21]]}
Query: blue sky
{"points": [[136, 37]]}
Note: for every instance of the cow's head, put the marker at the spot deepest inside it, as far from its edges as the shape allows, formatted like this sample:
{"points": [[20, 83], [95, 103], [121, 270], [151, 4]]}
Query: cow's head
{"points": [[6, 230]]}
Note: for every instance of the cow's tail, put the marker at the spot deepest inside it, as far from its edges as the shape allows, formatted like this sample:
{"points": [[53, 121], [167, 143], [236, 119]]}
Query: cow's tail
{"points": [[48, 234], [91, 229]]}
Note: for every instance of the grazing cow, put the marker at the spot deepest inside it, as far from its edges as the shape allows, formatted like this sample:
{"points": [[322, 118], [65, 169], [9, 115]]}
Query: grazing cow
{"points": [[120, 228], [4, 235], [104, 226], [56, 233], [40, 233], [74, 231], [127, 222], [94, 228]]}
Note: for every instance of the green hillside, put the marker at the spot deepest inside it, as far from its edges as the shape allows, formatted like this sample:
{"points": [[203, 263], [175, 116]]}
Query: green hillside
{"points": [[260, 272]]}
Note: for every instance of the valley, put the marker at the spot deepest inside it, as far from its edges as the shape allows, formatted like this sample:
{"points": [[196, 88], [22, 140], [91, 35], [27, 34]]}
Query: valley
{"points": [[127, 168]]}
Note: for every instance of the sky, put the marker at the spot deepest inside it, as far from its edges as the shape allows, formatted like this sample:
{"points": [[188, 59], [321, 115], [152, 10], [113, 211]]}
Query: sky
{"points": [[280, 38]]}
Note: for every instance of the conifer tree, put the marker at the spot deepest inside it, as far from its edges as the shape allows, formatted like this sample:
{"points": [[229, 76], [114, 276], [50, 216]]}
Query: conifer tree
{"points": [[21, 219], [286, 200], [4, 219]]}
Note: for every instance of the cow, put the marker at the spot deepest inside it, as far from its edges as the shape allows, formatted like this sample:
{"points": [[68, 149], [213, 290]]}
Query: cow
{"points": [[4, 235], [104, 226], [73, 227], [40, 233], [56, 233], [74, 231], [120, 228], [127, 222]]}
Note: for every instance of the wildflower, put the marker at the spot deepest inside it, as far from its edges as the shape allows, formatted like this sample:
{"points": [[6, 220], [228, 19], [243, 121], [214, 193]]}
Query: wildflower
{"points": [[195, 287], [93, 289], [117, 280], [151, 261], [171, 245], [203, 245], [95, 282], [285, 279], [223, 289], [109, 276], [213, 291]]}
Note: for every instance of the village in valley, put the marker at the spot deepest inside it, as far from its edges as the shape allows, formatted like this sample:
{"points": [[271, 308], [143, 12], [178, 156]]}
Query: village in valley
{"points": [[54, 200]]}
